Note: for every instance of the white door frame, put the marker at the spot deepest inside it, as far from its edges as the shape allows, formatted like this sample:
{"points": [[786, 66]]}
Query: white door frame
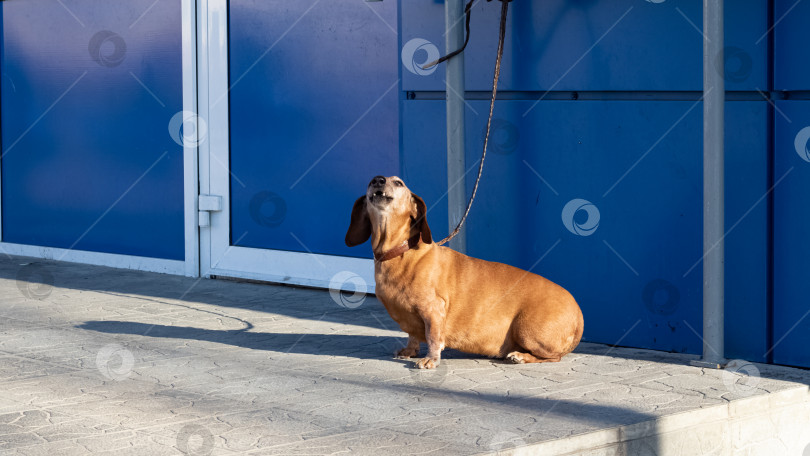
{"points": [[190, 266], [217, 256]]}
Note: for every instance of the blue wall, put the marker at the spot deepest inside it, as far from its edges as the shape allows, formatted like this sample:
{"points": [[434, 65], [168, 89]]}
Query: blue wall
{"points": [[792, 176], [791, 244], [621, 128], [649, 235], [87, 159], [632, 45], [791, 53], [594, 176], [791, 240]]}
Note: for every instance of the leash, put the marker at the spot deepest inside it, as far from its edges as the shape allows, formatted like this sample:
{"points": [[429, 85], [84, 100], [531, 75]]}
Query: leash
{"points": [[502, 34]]}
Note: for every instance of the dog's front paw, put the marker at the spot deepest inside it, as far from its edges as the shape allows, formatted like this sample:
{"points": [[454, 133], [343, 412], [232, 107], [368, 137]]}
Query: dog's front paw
{"points": [[407, 353], [427, 363]]}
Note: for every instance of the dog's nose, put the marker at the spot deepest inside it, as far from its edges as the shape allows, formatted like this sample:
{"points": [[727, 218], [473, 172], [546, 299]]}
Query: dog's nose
{"points": [[378, 181]]}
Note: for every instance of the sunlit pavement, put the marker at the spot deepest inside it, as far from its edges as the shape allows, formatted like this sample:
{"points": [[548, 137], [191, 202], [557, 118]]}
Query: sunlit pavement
{"points": [[96, 360]]}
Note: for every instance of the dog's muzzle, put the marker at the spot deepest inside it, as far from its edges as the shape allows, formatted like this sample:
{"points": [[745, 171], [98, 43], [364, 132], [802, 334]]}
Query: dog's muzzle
{"points": [[380, 196], [378, 193]]}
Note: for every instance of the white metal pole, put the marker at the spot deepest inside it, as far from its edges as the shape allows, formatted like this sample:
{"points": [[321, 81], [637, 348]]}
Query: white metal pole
{"points": [[713, 185], [456, 165]]}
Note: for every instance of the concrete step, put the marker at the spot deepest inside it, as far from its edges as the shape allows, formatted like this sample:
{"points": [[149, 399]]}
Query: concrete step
{"points": [[769, 424]]}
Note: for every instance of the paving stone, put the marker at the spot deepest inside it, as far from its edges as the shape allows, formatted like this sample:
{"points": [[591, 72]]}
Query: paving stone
{"points": [[127, 362]]}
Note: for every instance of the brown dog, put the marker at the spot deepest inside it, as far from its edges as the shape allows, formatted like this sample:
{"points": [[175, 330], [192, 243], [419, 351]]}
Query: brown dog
{"points": [[448, 299]]}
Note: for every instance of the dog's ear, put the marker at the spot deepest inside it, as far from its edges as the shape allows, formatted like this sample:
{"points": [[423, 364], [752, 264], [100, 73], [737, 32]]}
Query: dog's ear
{"points": [[420, 219], [360, 225]]}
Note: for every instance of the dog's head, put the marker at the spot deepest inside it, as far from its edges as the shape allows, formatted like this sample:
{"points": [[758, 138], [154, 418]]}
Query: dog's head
{"points": [[387, 200]]}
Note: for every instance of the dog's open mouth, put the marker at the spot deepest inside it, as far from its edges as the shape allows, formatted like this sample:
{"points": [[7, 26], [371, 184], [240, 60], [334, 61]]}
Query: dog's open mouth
{"points": [[380, 197]]}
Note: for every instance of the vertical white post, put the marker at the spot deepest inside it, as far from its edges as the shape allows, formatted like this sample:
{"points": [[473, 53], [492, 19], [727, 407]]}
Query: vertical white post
{"points": [[713, 185], [190, 156], [456, 164]]}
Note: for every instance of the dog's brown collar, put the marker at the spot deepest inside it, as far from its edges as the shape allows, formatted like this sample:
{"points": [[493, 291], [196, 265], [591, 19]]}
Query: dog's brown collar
{"points": [[398, 250]]}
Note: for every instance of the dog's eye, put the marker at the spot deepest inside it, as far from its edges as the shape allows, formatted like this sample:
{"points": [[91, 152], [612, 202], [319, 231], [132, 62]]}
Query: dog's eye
{"points": [[398, 183]]}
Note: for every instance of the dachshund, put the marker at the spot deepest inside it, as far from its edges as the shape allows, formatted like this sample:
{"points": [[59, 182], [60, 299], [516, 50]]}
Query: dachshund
{"points": [[450, 300]]}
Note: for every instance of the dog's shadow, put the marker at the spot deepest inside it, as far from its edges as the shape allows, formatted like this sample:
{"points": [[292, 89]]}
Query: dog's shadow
{"points": [[294, 342], [346, 345]]}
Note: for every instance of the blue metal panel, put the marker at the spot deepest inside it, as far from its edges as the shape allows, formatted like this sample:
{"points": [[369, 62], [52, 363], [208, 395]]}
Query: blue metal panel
{"points": [[88, 90], [791, 332], [791, 53], [633, 275], [746, 224], [590, 45], [314, 115]]}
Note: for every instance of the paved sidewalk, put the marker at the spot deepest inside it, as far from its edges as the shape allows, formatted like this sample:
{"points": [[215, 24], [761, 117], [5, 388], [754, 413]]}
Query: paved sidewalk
{"points": [[97, 360]]}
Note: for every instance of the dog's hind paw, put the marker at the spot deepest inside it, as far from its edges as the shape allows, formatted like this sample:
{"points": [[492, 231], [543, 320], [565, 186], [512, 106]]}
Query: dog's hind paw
{"points": [[515, 358], [407, 353], [427, 363]]}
